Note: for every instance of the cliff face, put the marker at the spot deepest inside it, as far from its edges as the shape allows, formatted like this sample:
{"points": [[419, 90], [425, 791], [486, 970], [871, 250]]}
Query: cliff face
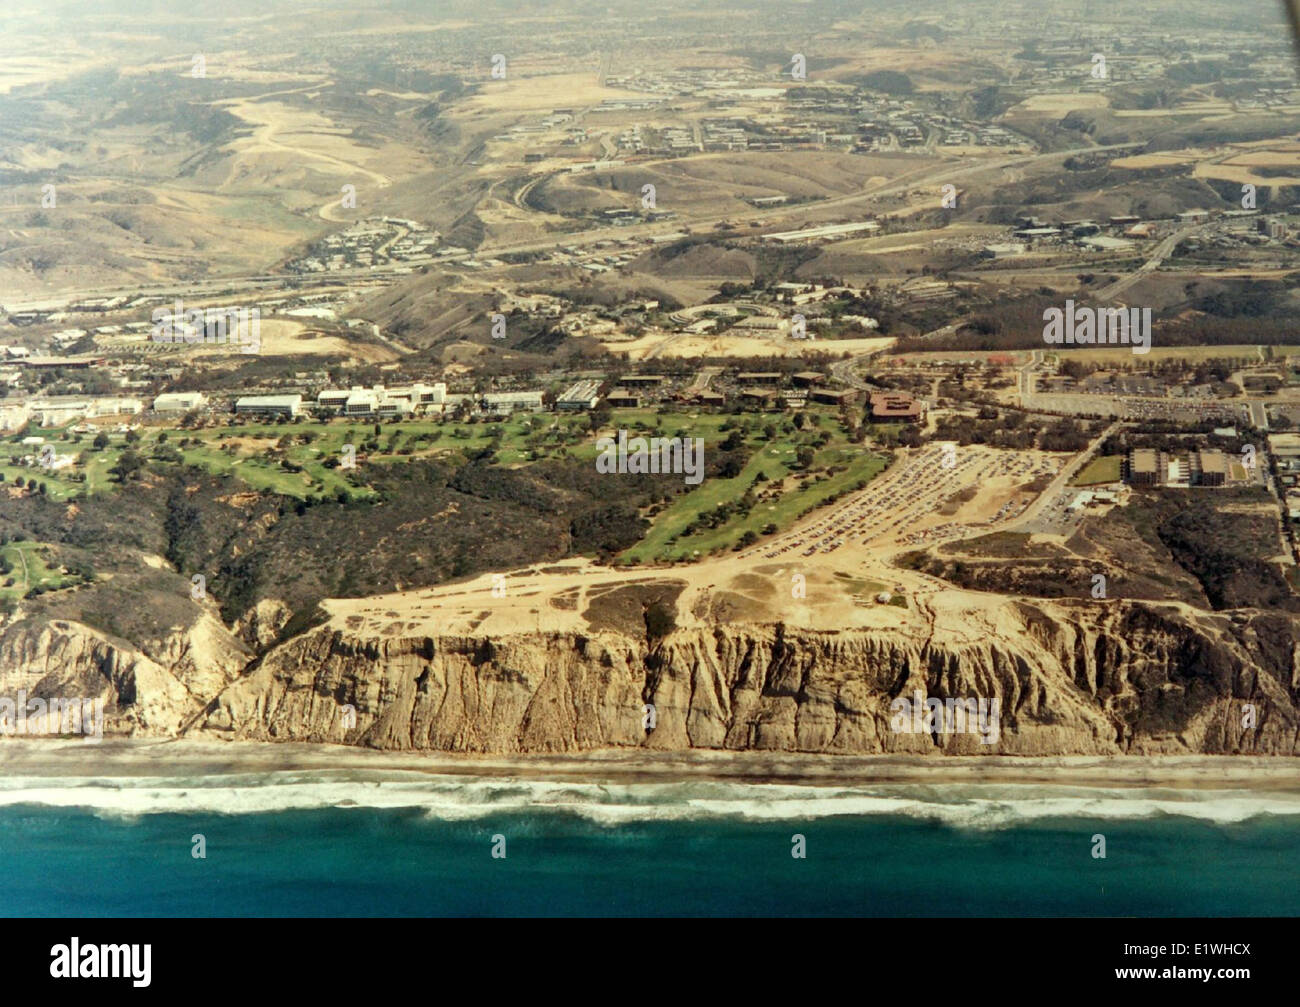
{"points": [[1067, 678], [1044, 678], [150, 690]]}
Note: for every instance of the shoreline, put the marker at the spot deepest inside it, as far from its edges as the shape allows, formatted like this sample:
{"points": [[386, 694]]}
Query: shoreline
{"points": [[138, 758]]}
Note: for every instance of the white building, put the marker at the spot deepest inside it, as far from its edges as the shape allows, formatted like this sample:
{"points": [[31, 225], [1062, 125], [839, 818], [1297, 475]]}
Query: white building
{"points": [[362, 401], [179, 402], [382, 401], [13, 416], [269, 405], [504, 403], [56, 410], [334, 398]]}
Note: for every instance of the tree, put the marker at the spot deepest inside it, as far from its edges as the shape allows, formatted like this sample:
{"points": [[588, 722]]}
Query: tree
{"points": [[127, 466]]}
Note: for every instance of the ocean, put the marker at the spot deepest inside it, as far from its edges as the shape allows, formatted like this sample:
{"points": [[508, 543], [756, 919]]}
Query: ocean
{"points": [[363, 843]]}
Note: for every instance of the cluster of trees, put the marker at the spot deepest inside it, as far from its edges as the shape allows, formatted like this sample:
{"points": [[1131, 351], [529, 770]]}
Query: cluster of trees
{"points": [[1014, 430], [31, 484]]}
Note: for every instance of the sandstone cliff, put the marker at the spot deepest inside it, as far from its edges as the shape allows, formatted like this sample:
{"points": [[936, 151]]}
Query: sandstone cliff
{"points": [[449, 673], [1070, 678], [150, 689]]}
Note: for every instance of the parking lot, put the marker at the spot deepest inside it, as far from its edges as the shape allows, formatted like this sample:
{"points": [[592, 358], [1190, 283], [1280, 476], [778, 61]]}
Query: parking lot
{"points": [[898, 507]]}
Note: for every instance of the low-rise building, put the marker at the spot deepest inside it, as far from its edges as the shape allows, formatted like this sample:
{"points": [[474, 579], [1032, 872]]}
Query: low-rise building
{"points": [[622, 399], [55, 410], [362, 402], [179, 402], [760, 377], [401, 400], [579, 395], [805, 379], [505, 403], [333, 398], [269, 405], [896, 407], [833, 396]]}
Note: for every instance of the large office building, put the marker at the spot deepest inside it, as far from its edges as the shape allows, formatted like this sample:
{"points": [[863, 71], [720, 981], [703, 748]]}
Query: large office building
{"points": [[1210, 468], [399, 400], [1147, 467]]}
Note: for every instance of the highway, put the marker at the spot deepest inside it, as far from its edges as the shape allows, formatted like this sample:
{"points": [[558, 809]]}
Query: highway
{"points": [[1161, 252]]}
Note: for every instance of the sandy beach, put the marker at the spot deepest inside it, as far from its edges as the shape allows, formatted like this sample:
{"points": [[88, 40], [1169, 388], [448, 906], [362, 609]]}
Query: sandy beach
{"points": [[124, 758]]}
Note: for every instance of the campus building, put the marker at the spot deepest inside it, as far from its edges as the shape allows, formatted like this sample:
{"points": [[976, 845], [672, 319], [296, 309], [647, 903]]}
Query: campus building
{"points": [[896, 407], [401, 400], [269, 405], [179, 402], [1209, 468], [1147, 467], [505, 403], [579, 395], [55, 410]]}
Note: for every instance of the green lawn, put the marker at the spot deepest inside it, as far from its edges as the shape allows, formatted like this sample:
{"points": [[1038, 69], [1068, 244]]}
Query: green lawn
{"points": [[252, 453], [523, 438], [1104, 469], [668, 539], [29, 569]]}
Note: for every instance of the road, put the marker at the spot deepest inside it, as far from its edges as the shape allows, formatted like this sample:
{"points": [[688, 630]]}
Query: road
{"points": [[1026, 375], [844, 371], [1161, 252], [703, 377], [1062, 478]]}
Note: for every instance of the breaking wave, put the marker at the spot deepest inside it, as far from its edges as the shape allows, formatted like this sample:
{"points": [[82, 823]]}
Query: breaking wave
{"points": [[464, 798]]}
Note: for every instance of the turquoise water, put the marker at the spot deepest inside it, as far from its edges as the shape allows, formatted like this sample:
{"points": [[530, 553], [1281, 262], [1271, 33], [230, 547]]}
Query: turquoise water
{"points": [[662, 850]]}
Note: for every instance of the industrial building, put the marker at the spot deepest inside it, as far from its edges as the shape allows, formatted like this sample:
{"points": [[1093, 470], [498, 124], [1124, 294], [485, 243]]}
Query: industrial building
{"points": [[579, 395]]}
